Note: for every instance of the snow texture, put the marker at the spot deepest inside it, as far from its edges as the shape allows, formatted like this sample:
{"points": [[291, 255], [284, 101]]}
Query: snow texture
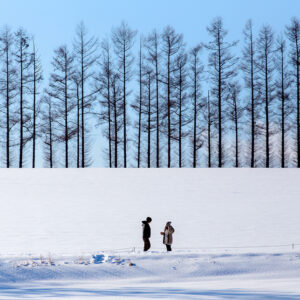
{"points": [[77, 234]]}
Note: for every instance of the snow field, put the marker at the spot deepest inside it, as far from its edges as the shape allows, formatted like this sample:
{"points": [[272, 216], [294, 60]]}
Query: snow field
{"points": [[74, 211], [77, 234]]}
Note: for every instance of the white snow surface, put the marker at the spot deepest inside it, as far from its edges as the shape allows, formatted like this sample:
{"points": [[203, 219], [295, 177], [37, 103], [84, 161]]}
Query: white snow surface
{"points": [[77, 234]]}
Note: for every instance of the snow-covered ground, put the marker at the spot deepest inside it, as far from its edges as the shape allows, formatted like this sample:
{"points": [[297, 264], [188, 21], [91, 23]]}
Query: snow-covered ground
{"points": [[130, 275], [77, 234]]}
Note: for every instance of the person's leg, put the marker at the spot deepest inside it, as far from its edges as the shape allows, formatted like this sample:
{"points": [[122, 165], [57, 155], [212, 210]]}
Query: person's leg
{"points": [[169, 248], [147, 244]]}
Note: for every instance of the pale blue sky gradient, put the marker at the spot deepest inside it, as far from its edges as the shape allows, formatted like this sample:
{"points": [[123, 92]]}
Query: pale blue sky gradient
{"points": [[53, 22]]}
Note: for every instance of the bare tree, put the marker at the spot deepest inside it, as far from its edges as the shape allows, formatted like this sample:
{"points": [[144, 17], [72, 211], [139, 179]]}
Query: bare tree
{"points": [[37, 77], [145, 109], [60, 89], [117, 115], [265, 45], [23, 60], [235, 114], [86, 53], [8, 89], [171, 45], [283, 85], [248, 66], [209, 117], [182, 109], [76, 79], [48, 116], [104, 86], [196, 71], [123, 40], [152, 45], [222, 69], [149, 112], [138, 103], [293, 34]]}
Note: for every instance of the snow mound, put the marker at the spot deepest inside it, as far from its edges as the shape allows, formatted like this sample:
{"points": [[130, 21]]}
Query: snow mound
{"points": [[155, 265]]}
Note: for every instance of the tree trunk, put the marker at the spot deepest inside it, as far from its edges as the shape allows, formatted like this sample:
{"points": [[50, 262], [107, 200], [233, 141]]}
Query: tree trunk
{"points": [[252, 108], [282, 113], [149, 122], [21, 108], [236, 134], [209, 131], [50, 138], [169, 112], [220, 103], [78, 126], [140, 111], [298, 104], [82, 111], [157, 109], [124, 111], [180, 119], [115, 125], [267, 113], [34, 111], [109, 119], [7, 112], [66, 116], [195, 120]]}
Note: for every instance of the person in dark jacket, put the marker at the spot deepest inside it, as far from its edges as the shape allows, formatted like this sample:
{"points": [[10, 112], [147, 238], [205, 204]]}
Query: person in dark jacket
{"points": [[146, 233]]}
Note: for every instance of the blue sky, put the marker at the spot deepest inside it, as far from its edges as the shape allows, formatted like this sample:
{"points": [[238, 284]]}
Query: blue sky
{"points": [[53, 22]]}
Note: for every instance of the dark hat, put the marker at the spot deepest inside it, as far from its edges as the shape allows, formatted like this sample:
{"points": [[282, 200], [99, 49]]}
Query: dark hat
{"points": [[148, 219]]}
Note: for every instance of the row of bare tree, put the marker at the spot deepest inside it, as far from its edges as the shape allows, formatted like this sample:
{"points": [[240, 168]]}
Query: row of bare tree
{"points": [[156, 102]]}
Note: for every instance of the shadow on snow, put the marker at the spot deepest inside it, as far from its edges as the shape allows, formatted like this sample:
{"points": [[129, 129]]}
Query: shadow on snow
{"points": [[159, 293]]}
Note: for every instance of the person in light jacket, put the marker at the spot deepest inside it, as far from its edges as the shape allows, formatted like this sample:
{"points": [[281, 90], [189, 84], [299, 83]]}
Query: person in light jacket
{"points": [[168, 235]]}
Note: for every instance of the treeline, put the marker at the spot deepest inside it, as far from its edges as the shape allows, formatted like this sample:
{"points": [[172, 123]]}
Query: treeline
{"points": [[152, 101]]}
